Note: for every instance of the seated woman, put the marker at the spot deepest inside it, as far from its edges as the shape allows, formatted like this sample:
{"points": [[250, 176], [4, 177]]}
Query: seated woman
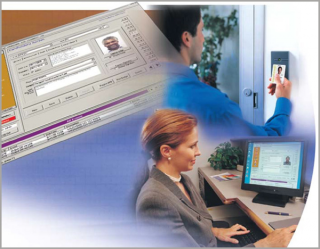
{"points": [[169, 206]]}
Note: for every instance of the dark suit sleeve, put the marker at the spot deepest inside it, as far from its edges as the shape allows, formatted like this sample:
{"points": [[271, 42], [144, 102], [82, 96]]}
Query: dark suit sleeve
{"points": [[161, 221]]}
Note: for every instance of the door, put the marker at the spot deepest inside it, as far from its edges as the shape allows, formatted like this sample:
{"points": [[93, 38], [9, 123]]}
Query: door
{"points": [[251, 62]]}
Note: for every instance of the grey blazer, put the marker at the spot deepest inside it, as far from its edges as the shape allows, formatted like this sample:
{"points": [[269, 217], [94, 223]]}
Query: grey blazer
{"points": [[169, 218]]}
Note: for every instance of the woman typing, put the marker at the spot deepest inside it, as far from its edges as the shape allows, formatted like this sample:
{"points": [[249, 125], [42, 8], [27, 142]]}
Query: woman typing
{"points": [[169, 206]]}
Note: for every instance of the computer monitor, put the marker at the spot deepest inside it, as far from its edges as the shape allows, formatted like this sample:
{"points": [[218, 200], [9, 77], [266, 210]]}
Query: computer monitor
{"points": [[275, 169]]}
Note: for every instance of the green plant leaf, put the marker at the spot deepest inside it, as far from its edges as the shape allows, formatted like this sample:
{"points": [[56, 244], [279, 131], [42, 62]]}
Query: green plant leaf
{"points": [[217, 28]]}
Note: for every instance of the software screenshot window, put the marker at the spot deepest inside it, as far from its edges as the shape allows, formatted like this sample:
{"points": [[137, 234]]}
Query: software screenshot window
{"points": [[277, 164], [65, 81]]}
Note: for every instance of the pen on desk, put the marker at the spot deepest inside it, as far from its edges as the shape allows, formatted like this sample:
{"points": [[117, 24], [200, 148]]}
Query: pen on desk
{"points": [[278, 213]]}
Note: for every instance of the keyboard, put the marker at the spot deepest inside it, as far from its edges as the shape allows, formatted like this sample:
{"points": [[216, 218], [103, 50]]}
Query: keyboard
{"points": [[252, 237]]}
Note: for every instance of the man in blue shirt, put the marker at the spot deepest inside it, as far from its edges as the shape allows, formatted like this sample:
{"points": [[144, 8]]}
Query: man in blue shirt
{"points": [[215, 111]]}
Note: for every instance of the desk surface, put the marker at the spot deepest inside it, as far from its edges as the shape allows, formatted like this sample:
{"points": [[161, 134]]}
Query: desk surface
{"points": [[230, 192]]}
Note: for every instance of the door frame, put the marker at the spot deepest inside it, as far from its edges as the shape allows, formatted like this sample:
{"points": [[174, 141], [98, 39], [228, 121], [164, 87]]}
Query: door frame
{"points": [[251, 62]]}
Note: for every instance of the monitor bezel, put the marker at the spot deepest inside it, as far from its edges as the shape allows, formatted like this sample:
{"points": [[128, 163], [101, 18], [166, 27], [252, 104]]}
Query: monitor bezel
{"points": [[271, 189]]}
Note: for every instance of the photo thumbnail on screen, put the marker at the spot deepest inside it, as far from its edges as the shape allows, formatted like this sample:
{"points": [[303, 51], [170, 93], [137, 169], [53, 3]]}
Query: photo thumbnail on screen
{"points": [[71, 79]]}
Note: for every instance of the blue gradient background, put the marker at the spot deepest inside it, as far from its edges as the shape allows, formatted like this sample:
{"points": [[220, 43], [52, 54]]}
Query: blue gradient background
{"points": [[89, 179]]}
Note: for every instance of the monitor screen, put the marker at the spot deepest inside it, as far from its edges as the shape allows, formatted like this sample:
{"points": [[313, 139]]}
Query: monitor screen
{"points": [[276, 164], [275, 168]]}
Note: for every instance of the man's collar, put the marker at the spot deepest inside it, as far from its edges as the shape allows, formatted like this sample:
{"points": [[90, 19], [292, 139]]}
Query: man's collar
{"points": [[179, 69]]}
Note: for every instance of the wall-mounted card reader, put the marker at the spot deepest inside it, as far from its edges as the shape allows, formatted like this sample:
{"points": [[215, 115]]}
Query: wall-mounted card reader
{"points": [[279, 64]]}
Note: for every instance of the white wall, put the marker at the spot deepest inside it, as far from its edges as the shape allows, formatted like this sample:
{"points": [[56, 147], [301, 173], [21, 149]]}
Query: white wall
{"points": [[286, 29], [294, 27], [298, 35]]}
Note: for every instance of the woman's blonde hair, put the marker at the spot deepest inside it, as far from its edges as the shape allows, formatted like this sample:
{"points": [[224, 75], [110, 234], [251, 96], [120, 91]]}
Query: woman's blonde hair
{"points": [[166, 126]]}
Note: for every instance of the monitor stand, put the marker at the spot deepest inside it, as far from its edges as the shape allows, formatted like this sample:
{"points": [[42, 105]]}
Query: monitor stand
{"points": [[271, 199]]}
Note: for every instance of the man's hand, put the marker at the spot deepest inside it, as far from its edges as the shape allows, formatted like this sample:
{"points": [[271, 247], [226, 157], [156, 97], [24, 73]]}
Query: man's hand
{"points": [[281, 90], [278, 238], [225, 234]]}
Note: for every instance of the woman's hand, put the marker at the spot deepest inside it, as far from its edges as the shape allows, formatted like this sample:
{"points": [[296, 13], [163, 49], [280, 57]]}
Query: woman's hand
{"points": [[225, 234], [278, 238]]}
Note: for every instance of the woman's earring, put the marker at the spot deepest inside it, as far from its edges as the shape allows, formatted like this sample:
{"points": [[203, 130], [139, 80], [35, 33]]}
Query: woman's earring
{"points": [[169, 158]]}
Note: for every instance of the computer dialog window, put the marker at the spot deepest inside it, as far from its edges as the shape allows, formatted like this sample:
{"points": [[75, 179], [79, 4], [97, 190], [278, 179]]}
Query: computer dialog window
{"points": [[277, 164], [71, 79]]}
